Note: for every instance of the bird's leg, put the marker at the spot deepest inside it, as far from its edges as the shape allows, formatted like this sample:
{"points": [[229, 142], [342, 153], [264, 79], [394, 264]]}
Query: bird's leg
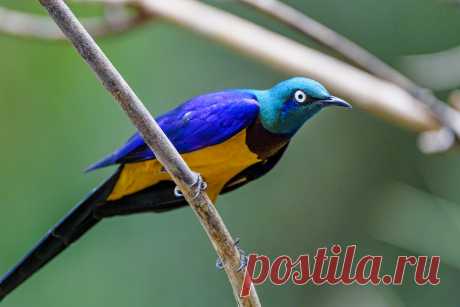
{"points": [[198, 186], [243, 258]]}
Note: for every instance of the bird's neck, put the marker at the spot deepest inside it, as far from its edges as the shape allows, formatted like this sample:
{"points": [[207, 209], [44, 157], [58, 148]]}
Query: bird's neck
{"points": [[263, 142]]}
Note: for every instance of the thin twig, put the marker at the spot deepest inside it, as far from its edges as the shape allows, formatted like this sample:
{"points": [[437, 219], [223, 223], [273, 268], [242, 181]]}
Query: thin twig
{"points": [[165, 152], [21, 24]]}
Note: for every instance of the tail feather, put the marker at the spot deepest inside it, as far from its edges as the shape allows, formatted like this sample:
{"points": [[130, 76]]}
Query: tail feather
{"points": [[68, 230]]}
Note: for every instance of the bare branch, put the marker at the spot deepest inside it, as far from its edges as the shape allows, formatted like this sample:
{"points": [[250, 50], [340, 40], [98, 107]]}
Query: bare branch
{"points": [[357, 55], [34, 26], [187, 181]]}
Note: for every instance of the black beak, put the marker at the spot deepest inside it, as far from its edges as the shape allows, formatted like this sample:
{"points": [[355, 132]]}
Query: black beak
{"points": [[335, 101]]}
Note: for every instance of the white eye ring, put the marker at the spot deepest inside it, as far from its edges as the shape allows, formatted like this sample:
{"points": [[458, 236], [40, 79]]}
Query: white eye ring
{"points": [[300, 96]]}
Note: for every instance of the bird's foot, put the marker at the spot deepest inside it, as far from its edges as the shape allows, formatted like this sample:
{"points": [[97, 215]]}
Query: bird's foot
{"points": [[198, 186], [243, 258]]}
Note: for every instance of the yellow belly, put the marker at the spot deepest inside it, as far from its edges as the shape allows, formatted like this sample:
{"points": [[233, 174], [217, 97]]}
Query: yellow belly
{"points": [[217, 164]]}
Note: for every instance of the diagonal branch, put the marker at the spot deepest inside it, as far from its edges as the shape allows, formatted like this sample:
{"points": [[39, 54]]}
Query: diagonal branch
{"points": [[188, 182], [34, 26], [358, 56]]}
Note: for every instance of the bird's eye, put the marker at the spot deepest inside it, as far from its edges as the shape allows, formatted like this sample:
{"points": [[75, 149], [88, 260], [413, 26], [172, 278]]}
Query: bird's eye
{"points": [[300, 96]]}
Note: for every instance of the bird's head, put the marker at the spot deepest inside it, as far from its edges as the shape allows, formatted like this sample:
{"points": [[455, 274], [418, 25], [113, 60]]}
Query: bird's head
{"points": [[285, 107]]}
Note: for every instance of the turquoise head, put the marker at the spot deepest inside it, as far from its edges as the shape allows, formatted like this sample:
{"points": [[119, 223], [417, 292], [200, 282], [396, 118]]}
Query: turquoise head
{"points": [[289, 104]]}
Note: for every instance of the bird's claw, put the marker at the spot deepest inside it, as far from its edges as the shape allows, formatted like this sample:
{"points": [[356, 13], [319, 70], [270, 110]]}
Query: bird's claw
{"points": [[243, 258], [198, 186]]}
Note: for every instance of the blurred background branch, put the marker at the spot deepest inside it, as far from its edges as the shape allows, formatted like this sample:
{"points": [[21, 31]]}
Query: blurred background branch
{"points": [[116, 20], [330, 39]]}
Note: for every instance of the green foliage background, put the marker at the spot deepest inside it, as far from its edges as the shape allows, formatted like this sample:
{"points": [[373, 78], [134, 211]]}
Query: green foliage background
{"points": [[348, 177]]}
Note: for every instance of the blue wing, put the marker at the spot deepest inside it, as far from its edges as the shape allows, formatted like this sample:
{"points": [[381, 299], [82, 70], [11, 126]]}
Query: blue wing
{"points": [[200, 122]]}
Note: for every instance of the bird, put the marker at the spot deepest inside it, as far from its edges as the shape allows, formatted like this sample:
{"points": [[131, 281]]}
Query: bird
{"points": [[229, 137]]}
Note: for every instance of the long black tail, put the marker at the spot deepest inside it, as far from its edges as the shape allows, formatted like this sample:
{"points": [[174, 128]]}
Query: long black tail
{"points": [[82, 218]]}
